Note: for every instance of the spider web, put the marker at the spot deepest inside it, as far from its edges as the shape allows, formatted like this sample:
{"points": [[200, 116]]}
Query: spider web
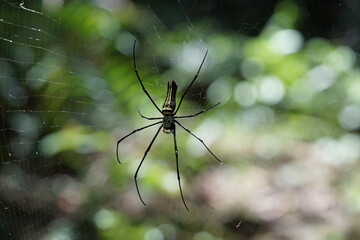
{"points": [[43, 88], [65, 103]]}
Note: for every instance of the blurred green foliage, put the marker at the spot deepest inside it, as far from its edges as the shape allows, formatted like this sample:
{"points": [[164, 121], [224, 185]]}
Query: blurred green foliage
{"points": [[287, 129]]}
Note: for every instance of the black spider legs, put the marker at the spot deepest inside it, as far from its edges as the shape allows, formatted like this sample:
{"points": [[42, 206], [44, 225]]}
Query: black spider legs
{"points": [[152, 118], [138, 77], [177, 169], [195, 77], [184, 116], [142, 160], [136, 130], [193, 115], [197, 139], [189, 116], [168, 119]]}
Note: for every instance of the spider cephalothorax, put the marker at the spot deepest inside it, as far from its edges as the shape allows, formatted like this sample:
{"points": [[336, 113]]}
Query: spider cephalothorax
{"points": [[167, 122]]}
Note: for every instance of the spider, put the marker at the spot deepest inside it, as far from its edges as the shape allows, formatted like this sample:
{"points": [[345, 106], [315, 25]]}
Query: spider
{"points": [[167, 122]]}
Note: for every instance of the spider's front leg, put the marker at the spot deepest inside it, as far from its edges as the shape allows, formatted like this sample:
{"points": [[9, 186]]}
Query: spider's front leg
{"points": [[142, 160], [136, 130], [177, 168]]}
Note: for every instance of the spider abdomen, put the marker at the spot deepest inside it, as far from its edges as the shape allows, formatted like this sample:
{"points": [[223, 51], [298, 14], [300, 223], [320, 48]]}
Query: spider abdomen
{"points": [[170, 101]]}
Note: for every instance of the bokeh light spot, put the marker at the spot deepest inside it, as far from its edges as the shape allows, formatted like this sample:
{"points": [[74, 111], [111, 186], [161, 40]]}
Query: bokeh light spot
{"points": [[349, 117], [245, 94], [286, 42]]}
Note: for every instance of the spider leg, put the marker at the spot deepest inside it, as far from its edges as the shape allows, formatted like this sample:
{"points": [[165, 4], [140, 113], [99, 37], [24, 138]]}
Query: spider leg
{"points": [[197, 139], [138, 77], [136, 130], [155, 118], [193, 115], [195, 77], [177, 169], [142, 160]]}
